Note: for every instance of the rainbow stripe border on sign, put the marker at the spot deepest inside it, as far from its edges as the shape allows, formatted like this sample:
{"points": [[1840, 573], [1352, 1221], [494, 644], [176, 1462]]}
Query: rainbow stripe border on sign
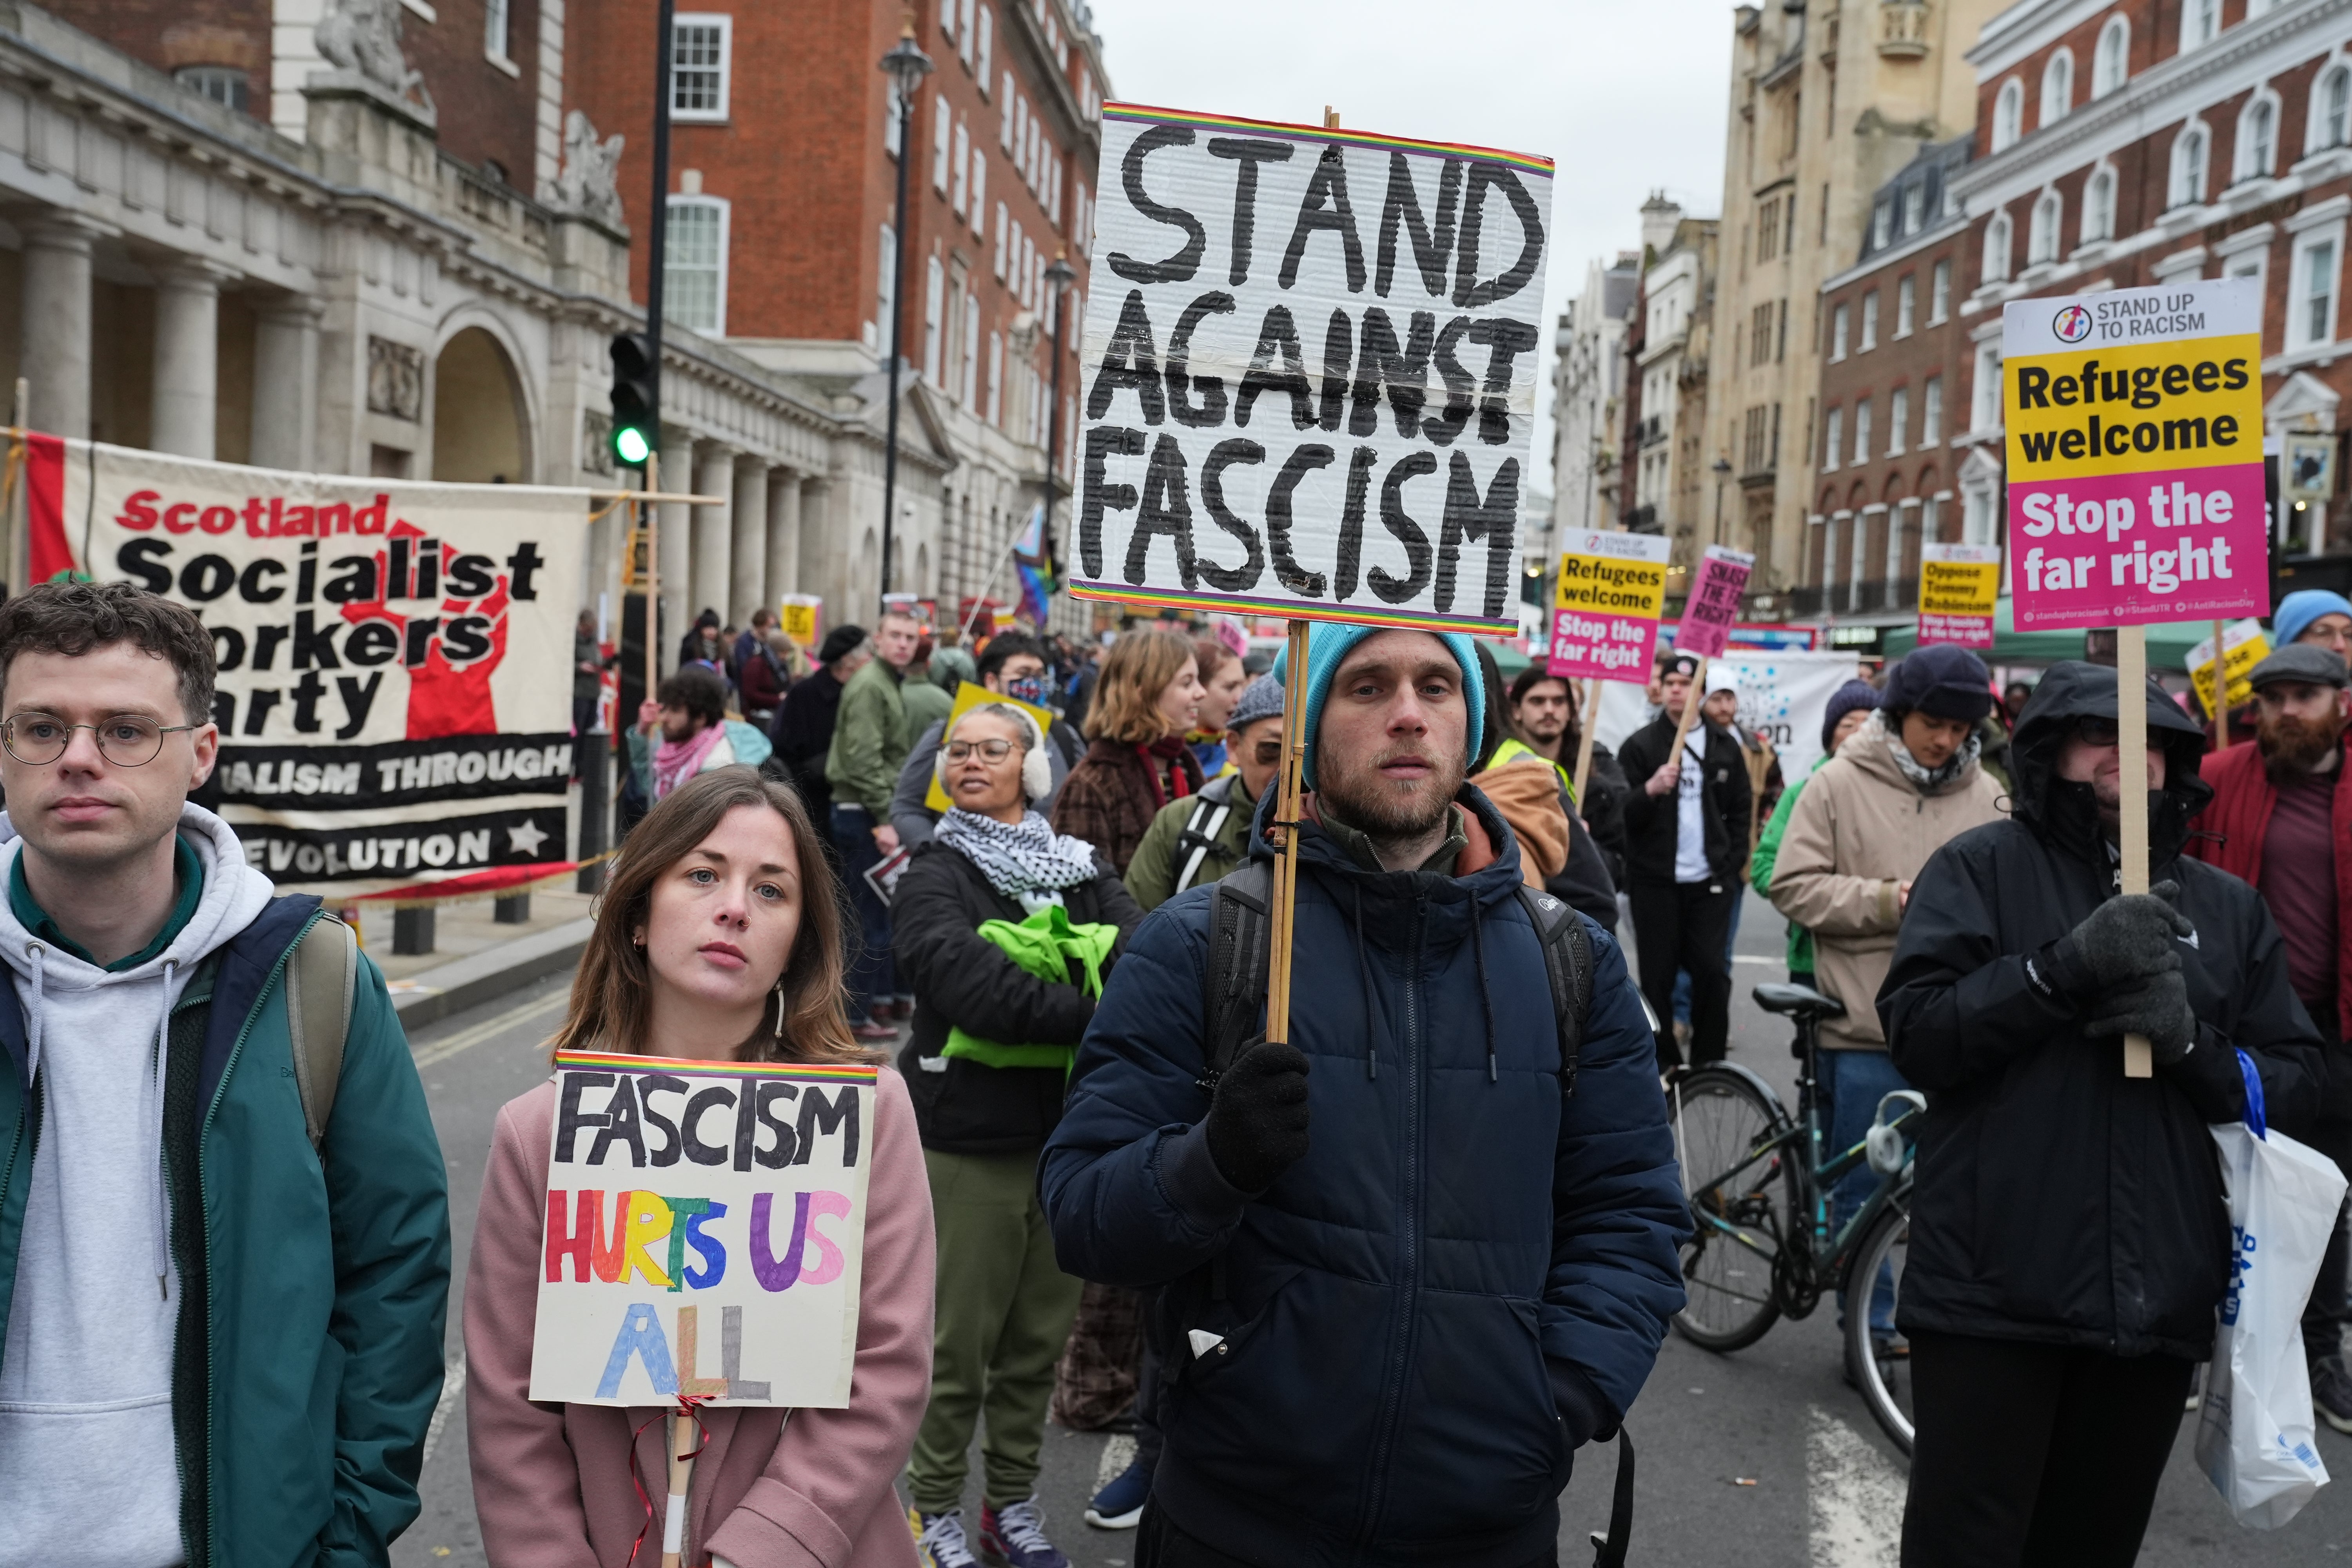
{"points": [[616, 1061], [1296, 609], [1145, 112]]}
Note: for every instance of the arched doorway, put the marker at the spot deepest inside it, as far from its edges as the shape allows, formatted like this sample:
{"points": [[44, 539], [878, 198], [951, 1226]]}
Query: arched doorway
{"points": [[480, 430]]}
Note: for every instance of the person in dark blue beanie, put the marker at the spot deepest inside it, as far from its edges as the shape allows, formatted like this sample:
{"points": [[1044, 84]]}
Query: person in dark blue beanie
{"points": [[1334, 1387]]}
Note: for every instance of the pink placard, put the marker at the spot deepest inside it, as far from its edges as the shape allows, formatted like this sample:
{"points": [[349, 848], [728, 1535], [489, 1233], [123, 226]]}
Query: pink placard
{"points": [[1589, 647], [1960, 631], [1714, 601], [2181, 545]]}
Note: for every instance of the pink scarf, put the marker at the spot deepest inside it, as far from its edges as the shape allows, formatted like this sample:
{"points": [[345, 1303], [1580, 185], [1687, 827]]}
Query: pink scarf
{"points": [[676, 762]]}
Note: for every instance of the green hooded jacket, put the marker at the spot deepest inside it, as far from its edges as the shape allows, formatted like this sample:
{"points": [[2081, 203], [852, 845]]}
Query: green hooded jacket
{"points": [[870, 741]]}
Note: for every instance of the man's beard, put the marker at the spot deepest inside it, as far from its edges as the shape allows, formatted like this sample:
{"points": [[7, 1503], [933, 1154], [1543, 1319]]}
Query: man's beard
{"points": [[1379, 809], [2293, 748]]}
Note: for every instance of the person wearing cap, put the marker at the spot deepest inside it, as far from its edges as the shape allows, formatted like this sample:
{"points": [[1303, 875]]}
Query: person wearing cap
{"points": [[1902, 786], [1685, 841], [2281, 819], [1401, 1275], [1848, 707], [2314, 616], [1196, 840], [803, 731], [2068, 1234]]}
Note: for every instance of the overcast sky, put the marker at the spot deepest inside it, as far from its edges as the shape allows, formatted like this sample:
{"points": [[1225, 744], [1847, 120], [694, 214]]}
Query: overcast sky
{"points": [[1628, 96]]}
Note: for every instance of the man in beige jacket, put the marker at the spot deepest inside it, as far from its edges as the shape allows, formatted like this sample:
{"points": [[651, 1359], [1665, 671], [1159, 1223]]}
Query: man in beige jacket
{"points": [[1898, 789]]}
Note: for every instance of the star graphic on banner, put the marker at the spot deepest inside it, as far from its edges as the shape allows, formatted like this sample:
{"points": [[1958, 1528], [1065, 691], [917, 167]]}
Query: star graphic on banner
{"points": [[525, 840]]}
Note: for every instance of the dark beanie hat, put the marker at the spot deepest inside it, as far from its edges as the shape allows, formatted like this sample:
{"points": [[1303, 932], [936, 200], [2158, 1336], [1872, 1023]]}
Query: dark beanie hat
{"points": [[840, 643], [1847, 698], [1943, 682]]}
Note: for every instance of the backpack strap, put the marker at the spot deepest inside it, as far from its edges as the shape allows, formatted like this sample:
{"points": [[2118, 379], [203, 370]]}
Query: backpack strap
{"points": [[321, 978], [1210, 809], [1233, 983], [1567, 969]]}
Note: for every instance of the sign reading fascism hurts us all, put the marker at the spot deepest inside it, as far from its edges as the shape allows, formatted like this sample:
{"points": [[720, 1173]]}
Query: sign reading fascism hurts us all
{"points": [[395, 680], [1309, 371], [2135, 433]]}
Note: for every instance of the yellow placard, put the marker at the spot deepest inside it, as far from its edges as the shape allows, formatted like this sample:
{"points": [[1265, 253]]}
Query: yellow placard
{"points": [[2128, 409], [1616, 583], [1959, 587], [800, 614], [2244, 646], [968, 697]]}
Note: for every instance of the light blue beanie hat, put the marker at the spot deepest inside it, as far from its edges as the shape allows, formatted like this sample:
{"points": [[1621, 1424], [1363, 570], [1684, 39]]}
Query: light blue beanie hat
{"points": [[2299, 609], [1328, 643]]}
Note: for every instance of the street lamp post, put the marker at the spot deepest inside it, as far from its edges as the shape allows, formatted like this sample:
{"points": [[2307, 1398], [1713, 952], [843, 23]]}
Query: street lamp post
{"points": [[1058, 278], [906, 64]]}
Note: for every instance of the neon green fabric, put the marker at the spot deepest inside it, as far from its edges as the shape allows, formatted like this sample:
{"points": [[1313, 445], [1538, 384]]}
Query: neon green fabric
{"points": [[1046, 945]]}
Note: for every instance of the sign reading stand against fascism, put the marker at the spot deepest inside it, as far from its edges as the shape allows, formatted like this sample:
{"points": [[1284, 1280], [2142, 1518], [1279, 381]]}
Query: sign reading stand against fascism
{"points": [[395, 671], [1309, 371]]}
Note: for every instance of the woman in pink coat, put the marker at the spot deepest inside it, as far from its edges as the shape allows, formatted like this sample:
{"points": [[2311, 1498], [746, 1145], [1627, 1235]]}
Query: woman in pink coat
{"points": [[717, 940]]}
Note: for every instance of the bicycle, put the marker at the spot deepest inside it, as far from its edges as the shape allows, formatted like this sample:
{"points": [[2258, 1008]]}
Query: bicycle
{"points": [[1762, 1247]]}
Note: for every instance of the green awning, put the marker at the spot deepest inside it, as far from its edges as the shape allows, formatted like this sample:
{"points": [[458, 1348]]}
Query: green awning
{"points": [[2168, 646]]}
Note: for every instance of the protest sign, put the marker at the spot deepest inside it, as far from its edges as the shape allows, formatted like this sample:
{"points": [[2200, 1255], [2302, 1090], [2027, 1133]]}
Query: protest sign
{"points": [[705, 1234], [802, 615], [1218, 473], [1605, 610], [2134, 445], [1714, 601], [394, 698], [1785, 696], [1959, 585], [2244, 646], [967, 697]]}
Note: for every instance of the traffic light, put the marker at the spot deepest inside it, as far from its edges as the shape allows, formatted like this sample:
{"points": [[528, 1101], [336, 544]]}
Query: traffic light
{"points": [[634, 392]]}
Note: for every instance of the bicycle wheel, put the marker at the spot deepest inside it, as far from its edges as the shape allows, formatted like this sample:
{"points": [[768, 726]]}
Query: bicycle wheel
{"points": [[1739, 1218], [1879, 1364]]}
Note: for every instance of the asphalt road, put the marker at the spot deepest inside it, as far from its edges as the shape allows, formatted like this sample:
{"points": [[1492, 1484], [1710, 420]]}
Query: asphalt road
{"points": [[1759, 1459]]}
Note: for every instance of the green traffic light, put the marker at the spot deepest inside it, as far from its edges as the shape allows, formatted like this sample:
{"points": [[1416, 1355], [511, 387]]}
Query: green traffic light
{"points": [[631, 444]]}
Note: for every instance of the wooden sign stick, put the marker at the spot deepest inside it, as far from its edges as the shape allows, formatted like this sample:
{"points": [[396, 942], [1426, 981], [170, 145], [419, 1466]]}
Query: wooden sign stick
{"points": [[2131, 743], [1690, 708], [682, 1450], [2221, 689], [1286, 820], [1587, 721]]}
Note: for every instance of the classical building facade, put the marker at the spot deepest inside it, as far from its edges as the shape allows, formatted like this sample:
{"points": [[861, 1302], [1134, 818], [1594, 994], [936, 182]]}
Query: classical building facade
{"points": [[1669, 475], [393, 237], [1829, 100]]}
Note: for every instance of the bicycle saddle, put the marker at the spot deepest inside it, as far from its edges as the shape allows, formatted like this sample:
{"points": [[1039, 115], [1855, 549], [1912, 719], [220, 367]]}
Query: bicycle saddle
{"points": [[1797, 1002]]}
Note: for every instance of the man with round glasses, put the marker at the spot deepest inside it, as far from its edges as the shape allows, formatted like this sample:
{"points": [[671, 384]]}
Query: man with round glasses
{"points": [[238, 1331]]}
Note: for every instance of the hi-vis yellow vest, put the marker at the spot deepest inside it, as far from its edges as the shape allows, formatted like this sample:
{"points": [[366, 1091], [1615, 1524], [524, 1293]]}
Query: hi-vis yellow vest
{"points": [[1511, 751]]}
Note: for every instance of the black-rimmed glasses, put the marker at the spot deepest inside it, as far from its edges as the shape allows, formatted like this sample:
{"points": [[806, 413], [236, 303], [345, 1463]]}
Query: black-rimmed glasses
{"points": [[126, 740]]}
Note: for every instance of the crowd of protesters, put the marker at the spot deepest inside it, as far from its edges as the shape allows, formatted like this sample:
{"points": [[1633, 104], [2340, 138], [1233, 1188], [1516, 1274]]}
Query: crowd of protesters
{"points": [[1097, 1195]]}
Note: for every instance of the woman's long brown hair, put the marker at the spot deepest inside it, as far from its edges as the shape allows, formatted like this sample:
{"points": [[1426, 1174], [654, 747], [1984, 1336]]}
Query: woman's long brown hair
{"points": [[612, 994], [1136, 670]]}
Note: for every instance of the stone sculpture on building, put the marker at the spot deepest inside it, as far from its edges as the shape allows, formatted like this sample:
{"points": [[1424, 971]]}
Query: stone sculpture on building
{"points": [[587, 183], [362, 37]]}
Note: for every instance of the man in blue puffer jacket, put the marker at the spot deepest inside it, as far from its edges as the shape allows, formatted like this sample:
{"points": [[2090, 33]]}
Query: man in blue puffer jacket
{"points": [[1400, 1277]]}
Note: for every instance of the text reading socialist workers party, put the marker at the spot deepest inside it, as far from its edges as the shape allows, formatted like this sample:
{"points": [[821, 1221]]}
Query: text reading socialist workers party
{"points": [[1309, 371]]}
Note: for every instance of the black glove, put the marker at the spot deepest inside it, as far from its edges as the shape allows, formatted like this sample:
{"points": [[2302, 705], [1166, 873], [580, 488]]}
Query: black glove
{"points": [[2155, 1005], [1258, 1123], [2128, 937]]}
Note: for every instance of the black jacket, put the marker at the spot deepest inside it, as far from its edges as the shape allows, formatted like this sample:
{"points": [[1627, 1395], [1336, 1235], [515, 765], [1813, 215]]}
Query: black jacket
{"points": [[1605, 790], [964, 1107], [801, 732], [1651, 819], [2057, 1201]]}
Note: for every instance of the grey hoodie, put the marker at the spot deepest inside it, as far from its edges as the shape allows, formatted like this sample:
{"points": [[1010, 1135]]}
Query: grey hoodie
{"points": [[86, 1376]]}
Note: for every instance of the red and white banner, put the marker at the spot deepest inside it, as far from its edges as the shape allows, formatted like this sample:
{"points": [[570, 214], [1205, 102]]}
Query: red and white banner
{"points": [[395, 674]]}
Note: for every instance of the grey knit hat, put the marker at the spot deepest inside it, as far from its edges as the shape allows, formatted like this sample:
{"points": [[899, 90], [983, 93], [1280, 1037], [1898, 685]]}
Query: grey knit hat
{"points": [[1261, 699]]}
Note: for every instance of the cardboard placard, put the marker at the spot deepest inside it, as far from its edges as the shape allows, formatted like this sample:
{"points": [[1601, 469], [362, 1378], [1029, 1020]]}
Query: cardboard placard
{"points": [[2135, 450], [1605, 610], [2244, 645], [1309, 371], [802, 615], [1714, 601], [1959, 585], [705, 1232]]}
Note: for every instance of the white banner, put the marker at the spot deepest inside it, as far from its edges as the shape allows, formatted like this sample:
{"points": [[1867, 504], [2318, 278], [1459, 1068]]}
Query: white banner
{"points": [[1784, 695], [396, 673], [1309, 374]]}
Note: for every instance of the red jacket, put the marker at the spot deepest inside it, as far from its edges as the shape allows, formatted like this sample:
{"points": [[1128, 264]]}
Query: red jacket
{"points": [[2228, 833]]}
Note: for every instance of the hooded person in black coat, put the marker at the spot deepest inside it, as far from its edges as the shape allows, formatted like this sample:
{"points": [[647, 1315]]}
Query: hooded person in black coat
{"points": [[2069, 1239]]}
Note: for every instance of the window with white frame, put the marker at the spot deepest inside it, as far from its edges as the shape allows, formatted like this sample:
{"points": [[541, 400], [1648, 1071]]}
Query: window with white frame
{"points": [[2258, 139], [1906, 304], [2057, 88], [970, 349], [1837, 333], [997, 265], [960, 163], [694, 265], [978, 188], [1915, 206], [1931, 411], [2331, 110], [1898, 416], [224, 85], [1986, 415], [1082, 221], [964, 30], [2041, 232], [1998, 249], [2110, 67], [1882, 224], [2312, 290], [1861, 432], [935, 286], [2008, 115], [1833, 439], [700, 45], [497, 22], [948, 17], [1939, 292], [1869, 321], [2188, 158], [2200, 23], [986, 67], [2252, 262], [942, 129], [996, 379], [2099, 206]]}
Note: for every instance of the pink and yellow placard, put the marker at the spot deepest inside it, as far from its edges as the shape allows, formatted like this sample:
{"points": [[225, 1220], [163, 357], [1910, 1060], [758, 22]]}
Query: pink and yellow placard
{"points": [[1605, 610], [1959, 588], [2134, 426]]}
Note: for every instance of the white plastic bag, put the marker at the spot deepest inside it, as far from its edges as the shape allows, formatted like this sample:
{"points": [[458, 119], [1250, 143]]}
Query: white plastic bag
{"points": [[2255, 1428]]}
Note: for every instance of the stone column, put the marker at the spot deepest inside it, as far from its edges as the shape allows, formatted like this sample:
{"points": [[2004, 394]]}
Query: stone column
{"points": [[675, 545], [286, 385], [182, 404], [56, 305], [817, 523], [783, 533], [748, 547], [713, 535]]}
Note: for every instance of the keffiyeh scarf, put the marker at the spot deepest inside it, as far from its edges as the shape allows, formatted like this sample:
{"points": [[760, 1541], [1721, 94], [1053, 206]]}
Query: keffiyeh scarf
{"points": [[1018, 858]]}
